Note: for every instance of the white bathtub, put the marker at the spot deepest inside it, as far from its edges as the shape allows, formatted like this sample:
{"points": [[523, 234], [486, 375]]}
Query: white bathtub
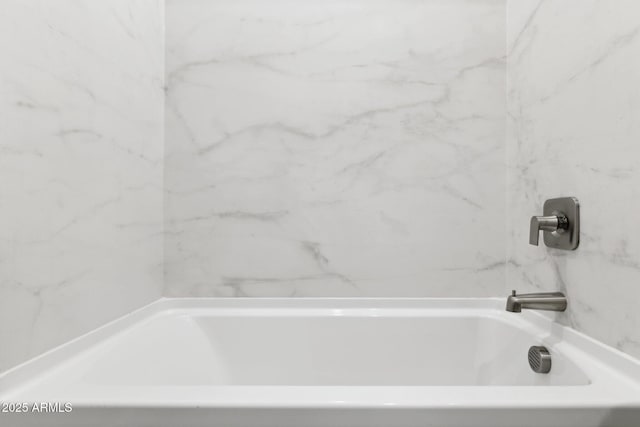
{"points": [[327, 362]]}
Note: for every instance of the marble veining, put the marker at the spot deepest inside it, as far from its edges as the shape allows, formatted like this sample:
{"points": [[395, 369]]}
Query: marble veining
{"points": [[299, 148], [573, 126], [81, 168], [334, 148]]}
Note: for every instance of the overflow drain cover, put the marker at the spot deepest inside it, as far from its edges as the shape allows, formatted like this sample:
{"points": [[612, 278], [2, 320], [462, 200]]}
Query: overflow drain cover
{"points": [[539, 359]]}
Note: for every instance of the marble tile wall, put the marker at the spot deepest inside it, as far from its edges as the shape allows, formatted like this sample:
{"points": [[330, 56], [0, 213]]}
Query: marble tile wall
{"points": [[340, 148], [81, 103], [574, 130], [335, 148]]}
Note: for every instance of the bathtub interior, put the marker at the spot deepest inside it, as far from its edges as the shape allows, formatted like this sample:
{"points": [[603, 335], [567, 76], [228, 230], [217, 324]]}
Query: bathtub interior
{"points": [[328, 347]]}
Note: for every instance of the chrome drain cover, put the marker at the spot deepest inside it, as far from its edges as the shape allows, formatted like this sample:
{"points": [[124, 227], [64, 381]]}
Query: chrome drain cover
{"points": [[539, 359]]}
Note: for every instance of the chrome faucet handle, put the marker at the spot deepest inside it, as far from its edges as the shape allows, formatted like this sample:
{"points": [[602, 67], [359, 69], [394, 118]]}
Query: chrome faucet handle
{"points": [[561, 221], [546, 223]]}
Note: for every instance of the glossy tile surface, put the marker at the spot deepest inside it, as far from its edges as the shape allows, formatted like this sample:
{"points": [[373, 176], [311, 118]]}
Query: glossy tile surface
{"points": [[80, 167], [335, 148], [573, 130]]}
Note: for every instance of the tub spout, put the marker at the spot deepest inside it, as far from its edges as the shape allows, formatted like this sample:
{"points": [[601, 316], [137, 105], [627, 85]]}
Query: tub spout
{"points": [[551, 301]]}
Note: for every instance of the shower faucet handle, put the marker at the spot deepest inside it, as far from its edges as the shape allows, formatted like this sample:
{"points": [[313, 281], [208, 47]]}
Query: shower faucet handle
{"points": [[561, 223], [546, 223]]}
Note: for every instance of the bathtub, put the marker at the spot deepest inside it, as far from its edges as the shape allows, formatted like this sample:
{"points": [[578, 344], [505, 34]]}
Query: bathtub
{"points": [[325, 362]]}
